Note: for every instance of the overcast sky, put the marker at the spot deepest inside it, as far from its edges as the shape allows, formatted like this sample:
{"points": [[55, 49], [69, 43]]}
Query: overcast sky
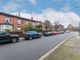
{"points": [[64, 11]]}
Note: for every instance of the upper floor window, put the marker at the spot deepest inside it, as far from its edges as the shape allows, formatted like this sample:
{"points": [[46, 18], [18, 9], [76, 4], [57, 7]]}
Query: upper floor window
{"points": [[33, 23], [26, 22], [19, 21], [7, 19]]}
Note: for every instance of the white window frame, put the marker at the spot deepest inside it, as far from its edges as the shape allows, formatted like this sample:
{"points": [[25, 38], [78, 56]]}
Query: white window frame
{"points": [[26, 22], [33, 23], [18, 28], [19, 21]]}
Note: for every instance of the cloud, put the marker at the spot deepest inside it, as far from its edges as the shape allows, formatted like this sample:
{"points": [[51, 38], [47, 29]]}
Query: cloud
{"points": [[66, 8], [23, 14], [17, 5], [57, 0], [33, 2], [11, 6], [52, 15]]}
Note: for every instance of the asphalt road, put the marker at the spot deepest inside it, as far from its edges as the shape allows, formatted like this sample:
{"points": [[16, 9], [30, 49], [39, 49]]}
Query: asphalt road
{"points": [[30, 50]]}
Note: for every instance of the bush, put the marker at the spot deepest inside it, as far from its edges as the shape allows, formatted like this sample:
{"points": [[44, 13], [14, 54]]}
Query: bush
{"points": [[19, 30], [30, 29], [39, 26], [38, 29], [7, 30], [24, 27], [34, 29], [50, 30]]}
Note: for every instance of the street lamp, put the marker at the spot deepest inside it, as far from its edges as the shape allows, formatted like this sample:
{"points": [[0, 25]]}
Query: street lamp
{"points": [[79, 28], [79, 21]]}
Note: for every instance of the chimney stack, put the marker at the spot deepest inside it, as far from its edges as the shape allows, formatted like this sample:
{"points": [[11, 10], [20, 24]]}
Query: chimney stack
{"points": [[31, 18], [18, 14]]}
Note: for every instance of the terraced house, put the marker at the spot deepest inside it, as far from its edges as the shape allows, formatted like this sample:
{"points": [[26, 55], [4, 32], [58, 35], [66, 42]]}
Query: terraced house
{"points": [[14, 23]]}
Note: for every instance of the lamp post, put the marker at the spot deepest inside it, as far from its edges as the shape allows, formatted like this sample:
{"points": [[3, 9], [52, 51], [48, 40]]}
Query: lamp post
{"points": [[77, 7], [79, 28]]}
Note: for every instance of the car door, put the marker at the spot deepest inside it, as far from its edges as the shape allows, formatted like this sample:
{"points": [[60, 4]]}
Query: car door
{"points": [[1, 37], [5, 37], [8, 37], [36, 34]]}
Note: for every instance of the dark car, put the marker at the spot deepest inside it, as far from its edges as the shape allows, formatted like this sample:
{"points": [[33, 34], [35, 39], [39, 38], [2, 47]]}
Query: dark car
{"points": [[7, 37], [47, 34], [31, 35]]}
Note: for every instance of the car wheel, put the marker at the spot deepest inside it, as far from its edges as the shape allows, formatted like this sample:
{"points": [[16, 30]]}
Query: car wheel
{"points": [[30, 38], [25, 38], [14, 40]]}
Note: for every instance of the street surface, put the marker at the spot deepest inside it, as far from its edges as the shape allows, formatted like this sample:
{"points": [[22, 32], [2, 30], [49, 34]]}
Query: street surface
{"points": [[30, 49]]}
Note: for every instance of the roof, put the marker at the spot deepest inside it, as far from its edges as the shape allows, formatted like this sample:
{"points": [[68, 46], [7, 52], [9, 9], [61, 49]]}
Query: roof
{"points": [[19, 17]]}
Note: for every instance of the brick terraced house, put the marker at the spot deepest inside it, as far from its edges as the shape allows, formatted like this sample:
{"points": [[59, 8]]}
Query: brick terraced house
{"points": [[14, 23]]}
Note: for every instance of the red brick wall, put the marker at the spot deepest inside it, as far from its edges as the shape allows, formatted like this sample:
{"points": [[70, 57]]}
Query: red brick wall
{"points": [[23, 21], [14, 22], [2, 18]]}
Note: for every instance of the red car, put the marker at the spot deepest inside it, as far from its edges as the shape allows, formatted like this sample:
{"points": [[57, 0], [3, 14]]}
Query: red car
{"points": [[55, 33]]}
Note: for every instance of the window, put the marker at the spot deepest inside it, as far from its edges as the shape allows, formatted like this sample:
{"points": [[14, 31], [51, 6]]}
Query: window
{"points": [[33, 23], [19, 21], [19, 29], [7, 19], [26, 22]]}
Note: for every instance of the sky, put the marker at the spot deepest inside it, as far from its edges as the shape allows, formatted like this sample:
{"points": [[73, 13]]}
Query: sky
{"points": [[64, 11]]}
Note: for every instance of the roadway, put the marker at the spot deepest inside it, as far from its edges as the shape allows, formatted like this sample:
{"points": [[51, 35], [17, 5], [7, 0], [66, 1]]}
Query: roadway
{"points": [[30, 49]]}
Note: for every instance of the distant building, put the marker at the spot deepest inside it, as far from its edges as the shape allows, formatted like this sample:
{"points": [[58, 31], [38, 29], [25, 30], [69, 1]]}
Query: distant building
{"points": [[60, 27], [71, 27]]}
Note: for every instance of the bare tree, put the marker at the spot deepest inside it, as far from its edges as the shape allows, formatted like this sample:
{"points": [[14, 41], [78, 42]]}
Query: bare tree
{"points": [[56, 26], [47, 25]]}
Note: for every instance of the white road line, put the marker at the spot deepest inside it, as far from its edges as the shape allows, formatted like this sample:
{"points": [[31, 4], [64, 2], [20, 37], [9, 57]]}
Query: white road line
{"points": [[44, 57]]}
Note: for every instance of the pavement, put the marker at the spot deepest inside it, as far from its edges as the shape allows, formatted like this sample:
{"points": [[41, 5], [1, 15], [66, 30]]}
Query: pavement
{"points": [[30, 49], [70, 50]]}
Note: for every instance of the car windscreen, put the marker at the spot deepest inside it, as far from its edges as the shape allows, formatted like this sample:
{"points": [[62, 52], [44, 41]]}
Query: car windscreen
{"points": [[2, 33], [33, 32]]}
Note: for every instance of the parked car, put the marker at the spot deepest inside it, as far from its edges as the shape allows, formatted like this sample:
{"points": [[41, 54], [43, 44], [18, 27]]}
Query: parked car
{"points": [[47, 34], [7, 37], [67, 31], [55, 33], [61, 32], [20, 34], [31, 35]]}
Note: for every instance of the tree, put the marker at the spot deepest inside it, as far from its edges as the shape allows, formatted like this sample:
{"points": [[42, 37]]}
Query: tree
{"points": [[71, 27], [24, 27], [39, 26], [30, 26], [47, 25], [56, 22], [56, 26]]}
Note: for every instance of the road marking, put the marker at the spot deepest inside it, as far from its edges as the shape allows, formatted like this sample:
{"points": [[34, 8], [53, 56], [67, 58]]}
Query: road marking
{"points": [[44, 57]]}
